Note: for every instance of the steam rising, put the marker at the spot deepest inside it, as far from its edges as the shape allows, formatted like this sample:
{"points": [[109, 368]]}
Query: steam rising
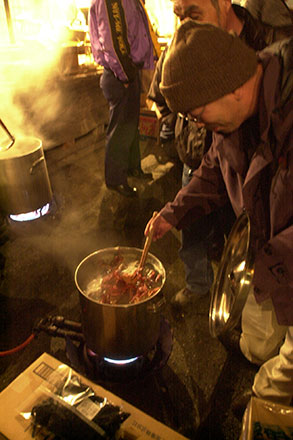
{"points": [[30, 66]]}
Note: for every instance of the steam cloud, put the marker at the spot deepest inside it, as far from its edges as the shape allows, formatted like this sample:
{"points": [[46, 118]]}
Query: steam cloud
{"points": [[30, 67]]}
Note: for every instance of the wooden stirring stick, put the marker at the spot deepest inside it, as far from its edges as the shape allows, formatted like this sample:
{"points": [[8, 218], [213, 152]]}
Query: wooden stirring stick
{"points": [[146, 246]]}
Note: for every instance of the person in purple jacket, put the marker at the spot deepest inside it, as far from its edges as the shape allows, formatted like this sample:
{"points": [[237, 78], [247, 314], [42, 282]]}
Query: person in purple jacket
{"points": [[246, 99], [122, 44]]}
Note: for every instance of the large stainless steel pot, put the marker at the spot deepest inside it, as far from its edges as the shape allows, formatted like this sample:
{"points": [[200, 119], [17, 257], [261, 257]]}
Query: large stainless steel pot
{"points": [[24, 180], [119, 331]]}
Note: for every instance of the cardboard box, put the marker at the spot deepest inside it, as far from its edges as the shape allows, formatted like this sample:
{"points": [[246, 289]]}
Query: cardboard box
{"points": [[22, 394]]}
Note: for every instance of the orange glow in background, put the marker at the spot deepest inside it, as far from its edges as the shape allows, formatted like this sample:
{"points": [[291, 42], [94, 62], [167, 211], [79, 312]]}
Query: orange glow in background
{"points": [[32, 51]]}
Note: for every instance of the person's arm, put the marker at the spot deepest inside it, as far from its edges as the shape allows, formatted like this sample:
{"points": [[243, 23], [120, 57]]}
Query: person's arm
{"points": [[120, 43], [273, 269], [154, 93], [160, 227], [273, 274], [109, 35], [205, 193], [273, 12]]}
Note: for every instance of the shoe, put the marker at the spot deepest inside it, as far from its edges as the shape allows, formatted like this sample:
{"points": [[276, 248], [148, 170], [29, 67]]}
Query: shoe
{"points": [[124, 189], [184, 298], [231, 341], [139, 174], [239, 404]]}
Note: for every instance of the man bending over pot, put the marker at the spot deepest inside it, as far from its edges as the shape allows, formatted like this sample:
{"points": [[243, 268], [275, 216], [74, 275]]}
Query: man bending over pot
{"points": [[246, 99]]}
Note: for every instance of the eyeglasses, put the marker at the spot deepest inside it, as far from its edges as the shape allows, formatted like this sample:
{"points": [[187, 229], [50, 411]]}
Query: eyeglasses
{"points": [[190, 118]]}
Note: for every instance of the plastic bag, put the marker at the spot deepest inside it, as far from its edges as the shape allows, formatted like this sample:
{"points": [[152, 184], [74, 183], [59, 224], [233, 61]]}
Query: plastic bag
{"points": [[264, 420], [69, 409]]}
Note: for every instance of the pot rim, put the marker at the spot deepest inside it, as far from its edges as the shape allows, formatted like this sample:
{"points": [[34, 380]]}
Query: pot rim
{"points": [[117, 248], [15, 152]]}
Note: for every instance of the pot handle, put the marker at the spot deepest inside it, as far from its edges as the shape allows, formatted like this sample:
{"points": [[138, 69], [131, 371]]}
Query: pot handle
{"points": [[12, 138], [35, 163], [156, 307]]}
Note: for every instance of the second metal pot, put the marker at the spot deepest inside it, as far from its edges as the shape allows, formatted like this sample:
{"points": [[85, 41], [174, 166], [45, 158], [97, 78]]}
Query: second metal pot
{"points": [[24, 180]]}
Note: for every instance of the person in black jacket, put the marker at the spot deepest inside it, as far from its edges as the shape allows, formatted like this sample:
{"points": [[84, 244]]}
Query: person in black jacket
{"points": [[191, 142]]}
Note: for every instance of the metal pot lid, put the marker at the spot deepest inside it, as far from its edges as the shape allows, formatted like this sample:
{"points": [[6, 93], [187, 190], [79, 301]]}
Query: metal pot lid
{"points": [[233, 279]]}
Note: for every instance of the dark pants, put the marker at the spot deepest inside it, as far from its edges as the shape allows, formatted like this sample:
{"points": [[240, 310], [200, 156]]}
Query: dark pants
{"points": [[122, 143], [196, 240]]}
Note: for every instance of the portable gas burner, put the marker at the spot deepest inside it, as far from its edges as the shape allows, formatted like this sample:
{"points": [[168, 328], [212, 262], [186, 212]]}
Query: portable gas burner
{"points": [[103, 369]]}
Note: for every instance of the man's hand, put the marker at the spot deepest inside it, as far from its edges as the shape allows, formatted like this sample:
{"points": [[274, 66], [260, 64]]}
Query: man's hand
{"points": [[160, 227]]}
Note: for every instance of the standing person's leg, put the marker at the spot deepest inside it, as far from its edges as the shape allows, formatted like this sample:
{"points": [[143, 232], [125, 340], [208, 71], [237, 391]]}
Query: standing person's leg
{"points": [[274, 380], [133, 109], [122, 149], [194, 255]]}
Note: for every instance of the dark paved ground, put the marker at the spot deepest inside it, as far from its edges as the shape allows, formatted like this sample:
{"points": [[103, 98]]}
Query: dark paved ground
{"points": [[192, 393]]}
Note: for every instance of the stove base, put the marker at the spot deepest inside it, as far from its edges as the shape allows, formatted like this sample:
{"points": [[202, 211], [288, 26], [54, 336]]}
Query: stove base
{"points": [[100, 370]]}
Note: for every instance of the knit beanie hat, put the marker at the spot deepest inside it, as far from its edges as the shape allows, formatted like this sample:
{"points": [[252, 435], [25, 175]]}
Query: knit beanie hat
{"points": [[203, 64]]}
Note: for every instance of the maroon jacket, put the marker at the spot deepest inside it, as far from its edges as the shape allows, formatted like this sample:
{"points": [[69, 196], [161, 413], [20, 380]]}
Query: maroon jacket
{"points": [[253, 168]]}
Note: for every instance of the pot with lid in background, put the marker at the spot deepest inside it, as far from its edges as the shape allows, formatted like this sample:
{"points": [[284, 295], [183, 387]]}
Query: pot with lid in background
{"points": [[233, 280], [24, 179]]}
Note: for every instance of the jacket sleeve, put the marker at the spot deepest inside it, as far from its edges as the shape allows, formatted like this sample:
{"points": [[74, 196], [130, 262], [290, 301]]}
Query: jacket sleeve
{"points": [[273, 270], [109, 38], [273, 274], [274, 12], [154, 93], [205, 193]]}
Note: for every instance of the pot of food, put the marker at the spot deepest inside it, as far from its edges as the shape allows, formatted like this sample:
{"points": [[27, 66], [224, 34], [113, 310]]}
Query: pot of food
{"points": [[120, 304]]}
